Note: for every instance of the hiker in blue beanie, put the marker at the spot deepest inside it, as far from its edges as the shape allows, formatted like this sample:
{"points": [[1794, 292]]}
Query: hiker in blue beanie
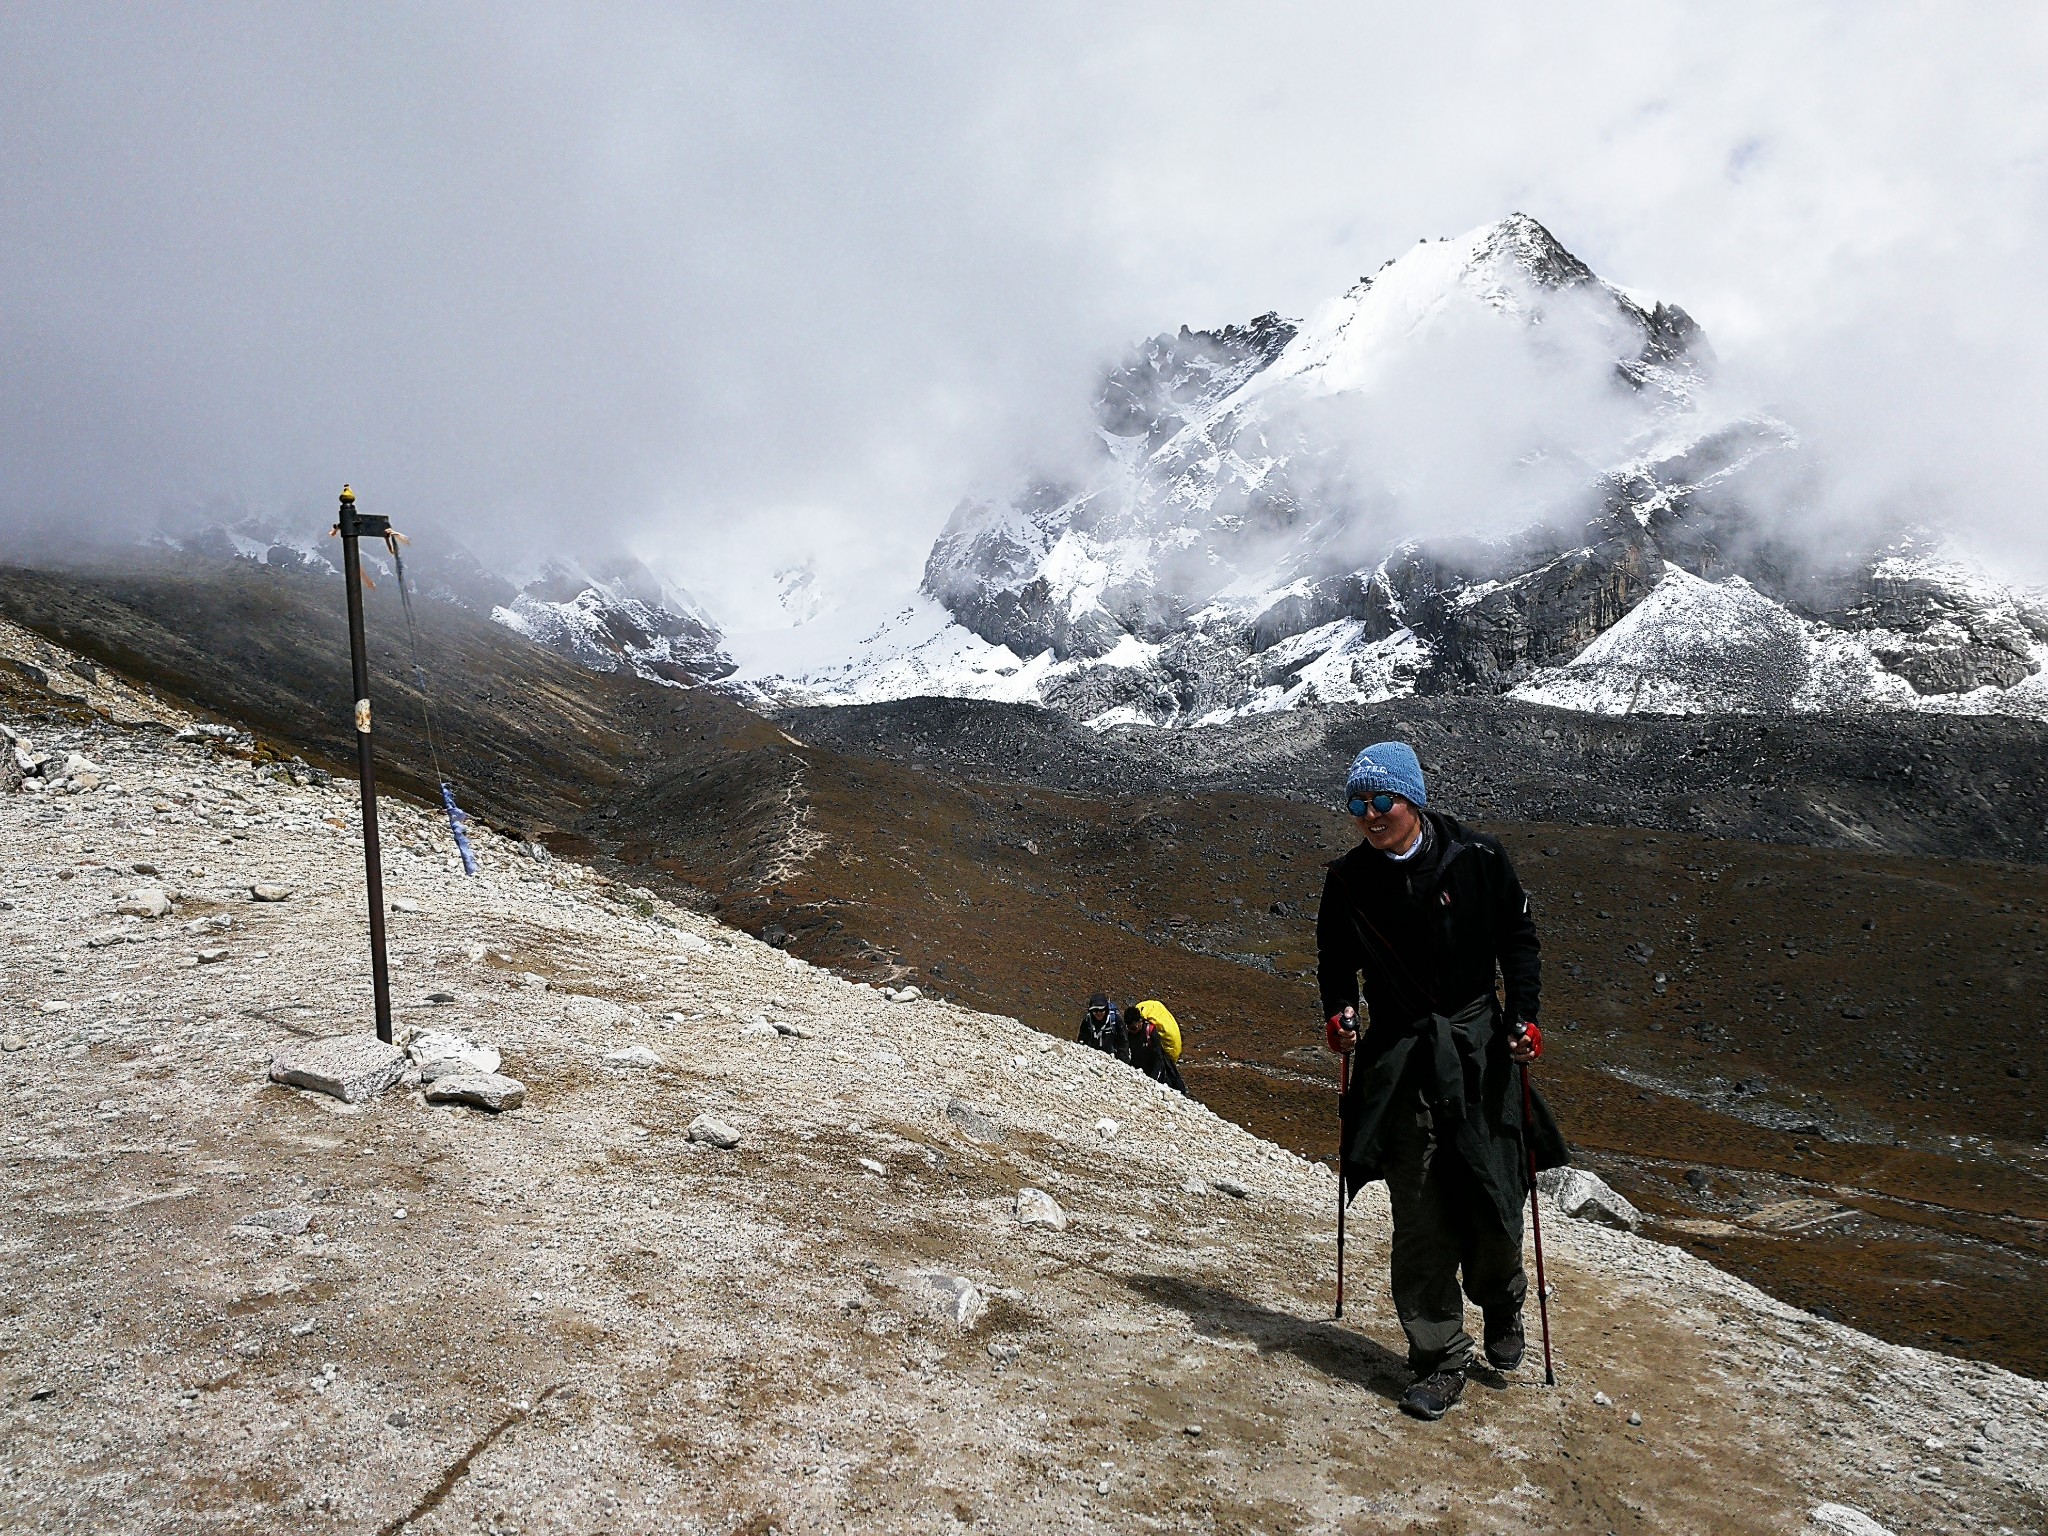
{"points": [[1430, 914]]}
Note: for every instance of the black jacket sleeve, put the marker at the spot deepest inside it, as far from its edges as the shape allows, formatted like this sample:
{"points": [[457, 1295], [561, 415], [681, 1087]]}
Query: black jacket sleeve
{"points": [[1514, 941], [1337, 959]]}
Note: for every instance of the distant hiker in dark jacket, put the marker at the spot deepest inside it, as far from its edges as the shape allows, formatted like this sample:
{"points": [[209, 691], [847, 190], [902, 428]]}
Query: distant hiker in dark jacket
{"points": [[1102, 1028], [1154, 1035], [1428, 912]]}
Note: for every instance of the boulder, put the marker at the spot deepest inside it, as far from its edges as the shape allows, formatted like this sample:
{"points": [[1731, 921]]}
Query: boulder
{"points": [[1588, 1197], [351, 1068], [263, 890], [1035, 1208], [485, 1090]]}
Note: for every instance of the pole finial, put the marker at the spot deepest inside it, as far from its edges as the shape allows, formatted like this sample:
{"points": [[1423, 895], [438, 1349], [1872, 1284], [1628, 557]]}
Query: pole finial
{"points": [[348, 496]]}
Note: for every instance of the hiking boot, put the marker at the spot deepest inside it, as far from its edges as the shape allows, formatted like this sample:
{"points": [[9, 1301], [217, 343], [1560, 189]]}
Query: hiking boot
{"points": [[1505, 1344], [1431, 1397]]}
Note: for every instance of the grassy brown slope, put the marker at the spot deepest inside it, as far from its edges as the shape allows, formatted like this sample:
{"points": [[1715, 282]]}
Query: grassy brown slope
{"points": [[530, 739]]}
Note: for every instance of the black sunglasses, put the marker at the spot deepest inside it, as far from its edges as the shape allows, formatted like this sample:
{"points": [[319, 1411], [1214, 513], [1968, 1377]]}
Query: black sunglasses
{"points": [[1381, 802]]}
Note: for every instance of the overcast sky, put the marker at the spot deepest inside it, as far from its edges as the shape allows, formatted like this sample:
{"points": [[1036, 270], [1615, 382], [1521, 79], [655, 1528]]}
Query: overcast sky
{"points": [[733, 286]]}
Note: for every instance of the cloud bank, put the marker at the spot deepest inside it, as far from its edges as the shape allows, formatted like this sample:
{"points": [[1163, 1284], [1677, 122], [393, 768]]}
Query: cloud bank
{"points": [[740, 287]]}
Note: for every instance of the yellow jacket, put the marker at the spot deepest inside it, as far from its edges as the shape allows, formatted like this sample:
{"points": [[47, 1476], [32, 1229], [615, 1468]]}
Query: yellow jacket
{"points": [[1165, 1027]]}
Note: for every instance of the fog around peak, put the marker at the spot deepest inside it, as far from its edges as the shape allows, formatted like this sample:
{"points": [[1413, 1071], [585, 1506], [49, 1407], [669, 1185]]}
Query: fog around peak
{"points": [[738, 289]]}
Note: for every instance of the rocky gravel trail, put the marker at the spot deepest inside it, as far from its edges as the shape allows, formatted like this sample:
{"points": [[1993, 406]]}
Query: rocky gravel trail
{"points": [[760, 1249]]}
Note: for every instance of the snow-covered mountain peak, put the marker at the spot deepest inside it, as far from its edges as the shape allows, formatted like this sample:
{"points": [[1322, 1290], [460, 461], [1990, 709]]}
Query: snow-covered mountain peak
{"points": [[1457, 476], [1511, 273], [619, 615]]}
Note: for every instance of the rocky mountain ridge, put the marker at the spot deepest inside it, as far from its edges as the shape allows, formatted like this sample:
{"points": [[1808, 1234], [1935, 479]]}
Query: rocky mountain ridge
{"points": [[610, 614]]}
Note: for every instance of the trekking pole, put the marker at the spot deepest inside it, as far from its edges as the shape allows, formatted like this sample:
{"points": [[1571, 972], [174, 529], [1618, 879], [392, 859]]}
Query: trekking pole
{"points": [[1343, 1090], [1536, 1223]]}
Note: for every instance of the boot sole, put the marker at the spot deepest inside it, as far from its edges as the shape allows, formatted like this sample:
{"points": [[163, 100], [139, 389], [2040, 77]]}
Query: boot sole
{"points": [[1416, 1410]]}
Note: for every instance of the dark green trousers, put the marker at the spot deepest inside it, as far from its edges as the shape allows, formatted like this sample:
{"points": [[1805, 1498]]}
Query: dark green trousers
{"points": [[1445, 1226]]}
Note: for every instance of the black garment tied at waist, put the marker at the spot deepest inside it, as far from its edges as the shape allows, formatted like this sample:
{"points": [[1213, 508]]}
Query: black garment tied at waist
{"points": [[1460, 1064]]}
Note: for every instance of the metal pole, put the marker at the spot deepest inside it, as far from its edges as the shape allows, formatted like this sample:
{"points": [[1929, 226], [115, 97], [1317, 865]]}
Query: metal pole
{"points": [[352, 527]]}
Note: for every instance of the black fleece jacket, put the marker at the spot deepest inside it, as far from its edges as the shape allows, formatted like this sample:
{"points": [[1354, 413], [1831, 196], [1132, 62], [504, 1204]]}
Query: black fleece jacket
{"points": [[1427, 934]]}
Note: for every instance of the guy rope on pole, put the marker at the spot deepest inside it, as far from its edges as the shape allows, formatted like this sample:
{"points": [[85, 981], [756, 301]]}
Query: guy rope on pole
{"points": [[458, 821], [352, 526]]}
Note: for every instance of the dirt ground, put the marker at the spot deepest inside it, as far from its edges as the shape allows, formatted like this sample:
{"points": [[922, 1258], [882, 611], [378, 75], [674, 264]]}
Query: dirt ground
{"points": [[585, 1321], [1832, 1092]]}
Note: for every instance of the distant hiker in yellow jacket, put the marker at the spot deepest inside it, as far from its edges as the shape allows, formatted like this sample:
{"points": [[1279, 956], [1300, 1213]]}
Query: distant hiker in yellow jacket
{"points": [[1154, 1035]]}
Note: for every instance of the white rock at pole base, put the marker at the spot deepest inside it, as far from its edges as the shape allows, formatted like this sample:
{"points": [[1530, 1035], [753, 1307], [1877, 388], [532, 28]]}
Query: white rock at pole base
{"points": [[1588, 1197], [351, 1068], [1035, 1208], [442, 1051]]}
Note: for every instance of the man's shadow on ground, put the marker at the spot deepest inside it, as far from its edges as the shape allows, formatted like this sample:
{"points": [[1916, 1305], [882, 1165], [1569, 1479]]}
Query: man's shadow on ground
{"points": [[1329, 1346]]}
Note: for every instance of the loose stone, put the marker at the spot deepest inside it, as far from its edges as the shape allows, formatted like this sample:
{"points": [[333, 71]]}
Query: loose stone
{"points": [[438, 1052], [286, 1221], [634, 1056], [953, 1297], [484, 1090], [351, 1068], [144, 901], [1588, 1197], [263, 890], [1035, 1208], [973, 1121], [713, 1132]]}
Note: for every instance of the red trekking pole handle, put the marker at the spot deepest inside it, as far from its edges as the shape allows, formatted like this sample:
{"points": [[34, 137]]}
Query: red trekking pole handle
{"points": [[1536, 1223]]}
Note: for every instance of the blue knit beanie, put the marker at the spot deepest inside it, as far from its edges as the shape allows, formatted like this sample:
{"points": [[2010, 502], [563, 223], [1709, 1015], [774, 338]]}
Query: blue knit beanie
{"points": [[1390, 766]]}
